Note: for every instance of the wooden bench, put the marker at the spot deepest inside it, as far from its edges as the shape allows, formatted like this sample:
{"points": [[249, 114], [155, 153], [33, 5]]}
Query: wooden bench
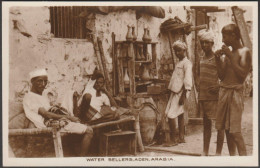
{"points": [[57, 133]]}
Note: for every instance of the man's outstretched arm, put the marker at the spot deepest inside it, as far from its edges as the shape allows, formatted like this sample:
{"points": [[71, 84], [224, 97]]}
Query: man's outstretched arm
{"points": [[46, 114]]}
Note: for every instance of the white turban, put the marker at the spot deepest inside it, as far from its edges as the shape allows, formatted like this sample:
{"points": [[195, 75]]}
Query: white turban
{"points": [[206, 35], [38, 72], [179, 44]]}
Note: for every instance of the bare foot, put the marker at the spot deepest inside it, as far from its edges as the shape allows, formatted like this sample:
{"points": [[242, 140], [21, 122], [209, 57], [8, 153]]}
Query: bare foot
{"points": [[218, 154], [204, 154], [182, 141], [169, 144]]}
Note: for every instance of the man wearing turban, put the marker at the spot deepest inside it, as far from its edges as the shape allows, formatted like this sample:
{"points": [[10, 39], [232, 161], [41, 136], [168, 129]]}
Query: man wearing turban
{"points": [[208, 90], [38, 110], [180, 86]]}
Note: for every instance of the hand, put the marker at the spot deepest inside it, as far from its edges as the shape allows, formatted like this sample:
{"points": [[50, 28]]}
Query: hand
{"points": [[182, 98], [73, 119], [218, 53], [187, 94], [89, 130], [226, 50], [213, 89]]}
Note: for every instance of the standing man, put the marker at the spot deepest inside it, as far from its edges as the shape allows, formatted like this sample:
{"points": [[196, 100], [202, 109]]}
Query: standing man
{"points": [[232, 73], [208, 91], [38, 110], [180, 86]]}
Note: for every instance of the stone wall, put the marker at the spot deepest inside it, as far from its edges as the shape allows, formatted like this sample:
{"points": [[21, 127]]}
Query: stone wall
{"points": [[68, 61], [71, 61], [117, 22]]}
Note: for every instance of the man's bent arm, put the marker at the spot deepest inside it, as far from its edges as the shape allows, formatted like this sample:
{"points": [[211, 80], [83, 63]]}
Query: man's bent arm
{"points": [[47, 114], [221, 68], [111, 99]]}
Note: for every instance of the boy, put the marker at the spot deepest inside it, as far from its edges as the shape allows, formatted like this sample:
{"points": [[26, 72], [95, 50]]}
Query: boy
{"points": [[180, 86]]}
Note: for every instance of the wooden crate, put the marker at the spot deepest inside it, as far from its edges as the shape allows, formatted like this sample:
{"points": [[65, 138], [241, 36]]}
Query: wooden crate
{"points": [[118, 143]]}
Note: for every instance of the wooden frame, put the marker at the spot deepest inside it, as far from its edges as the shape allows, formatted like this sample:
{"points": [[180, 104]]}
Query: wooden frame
{"points": [[57, 134]]}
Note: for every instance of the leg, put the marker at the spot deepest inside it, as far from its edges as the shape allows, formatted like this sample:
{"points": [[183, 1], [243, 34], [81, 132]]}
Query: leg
{"points": [[231, 144], [85, 143], [75, 104], [84, 106], [181, 128], [172, 126], [206, 134], [239, 140], [220, 141]]}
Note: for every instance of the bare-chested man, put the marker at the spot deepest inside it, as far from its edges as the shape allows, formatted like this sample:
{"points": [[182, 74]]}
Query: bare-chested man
{"points": [[232, 72]]}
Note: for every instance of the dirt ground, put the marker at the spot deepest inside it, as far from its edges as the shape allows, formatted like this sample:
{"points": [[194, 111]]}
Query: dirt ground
{"points": [[194, 137]]}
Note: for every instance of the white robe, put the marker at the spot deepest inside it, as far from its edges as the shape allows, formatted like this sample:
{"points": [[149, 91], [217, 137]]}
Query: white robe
{"points": [[182, 76], [31, 104]]}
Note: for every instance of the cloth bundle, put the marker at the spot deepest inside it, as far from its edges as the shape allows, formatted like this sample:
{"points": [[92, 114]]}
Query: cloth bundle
{"points": [[57, 123]]}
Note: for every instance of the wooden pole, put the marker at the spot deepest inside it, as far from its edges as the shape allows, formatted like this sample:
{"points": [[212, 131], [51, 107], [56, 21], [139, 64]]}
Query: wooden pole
{"points": [[114, 62], [193, 81], [103, 63], [138, 133], [95, 45], [57, 142], [119, 53], [172, 151], [170, 43], [240, 21]]}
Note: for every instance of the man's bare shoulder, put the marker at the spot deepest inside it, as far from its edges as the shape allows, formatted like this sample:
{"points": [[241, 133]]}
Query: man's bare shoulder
{"points": [[244, 52], [245, 56]]}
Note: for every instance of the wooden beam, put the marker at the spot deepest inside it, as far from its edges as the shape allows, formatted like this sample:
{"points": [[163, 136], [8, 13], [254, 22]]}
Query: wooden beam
{"points": [[119, 53], [114, 64], [96, 49], [170, 44], [172, 151], [103, 61], [57, 143], [240, 21]]}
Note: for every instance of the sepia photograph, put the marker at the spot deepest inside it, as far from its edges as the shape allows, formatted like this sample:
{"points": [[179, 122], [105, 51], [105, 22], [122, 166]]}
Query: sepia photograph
{"points": [[137, 84]]}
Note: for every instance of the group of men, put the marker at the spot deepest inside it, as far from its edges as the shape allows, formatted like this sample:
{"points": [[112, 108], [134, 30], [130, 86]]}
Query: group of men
{"points": [[223, 101], [222, 74]]}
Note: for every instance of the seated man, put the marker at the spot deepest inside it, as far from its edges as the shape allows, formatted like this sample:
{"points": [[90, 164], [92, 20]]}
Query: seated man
{"points": [[37, 109], [97, 103]]}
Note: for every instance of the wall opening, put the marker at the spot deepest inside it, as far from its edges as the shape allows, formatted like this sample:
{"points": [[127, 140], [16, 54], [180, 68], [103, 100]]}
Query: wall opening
{"points": [[67, 23]]}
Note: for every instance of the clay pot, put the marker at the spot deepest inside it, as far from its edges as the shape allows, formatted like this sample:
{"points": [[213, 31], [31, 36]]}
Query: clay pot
{"points": [[133, 33], [129, 36], [142, 53], [144, 73], [148, 122], [126, 77], [138, 56], [145, 35], [149, 39]]}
